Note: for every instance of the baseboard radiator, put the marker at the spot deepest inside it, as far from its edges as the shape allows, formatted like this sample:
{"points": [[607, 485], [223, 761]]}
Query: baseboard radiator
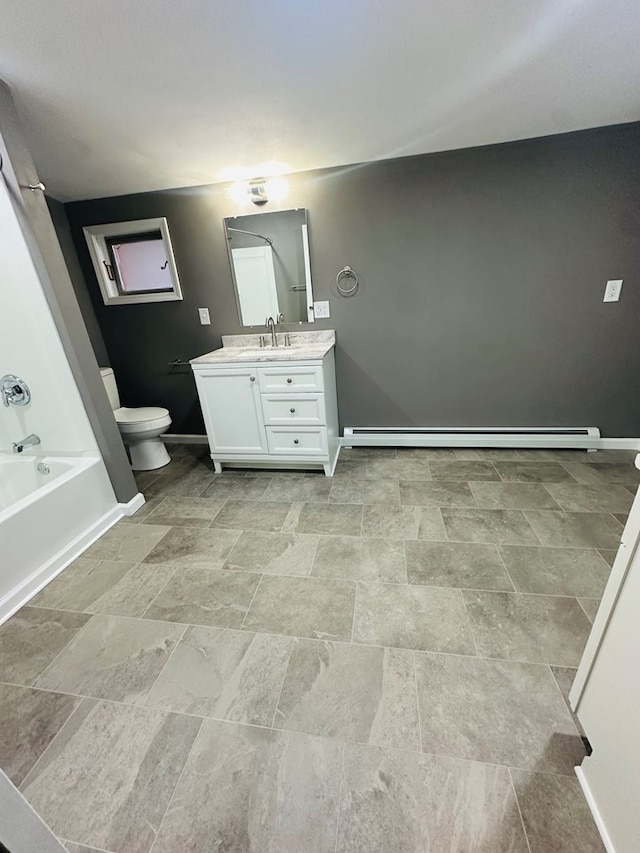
{"points": [[587, 438]]}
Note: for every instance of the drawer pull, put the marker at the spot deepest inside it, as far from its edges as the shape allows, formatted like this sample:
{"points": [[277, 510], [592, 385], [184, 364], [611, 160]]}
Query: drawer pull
{"points": [[252, 378], [292, 411], [289, 381], [295, 441]]}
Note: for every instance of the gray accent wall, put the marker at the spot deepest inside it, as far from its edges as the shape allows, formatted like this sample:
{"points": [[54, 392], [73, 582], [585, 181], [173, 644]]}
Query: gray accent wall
{"points": [[482, 275]]}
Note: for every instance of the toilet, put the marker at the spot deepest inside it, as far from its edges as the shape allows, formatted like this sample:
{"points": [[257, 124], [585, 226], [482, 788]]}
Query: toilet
{"points": [[140, 428]]}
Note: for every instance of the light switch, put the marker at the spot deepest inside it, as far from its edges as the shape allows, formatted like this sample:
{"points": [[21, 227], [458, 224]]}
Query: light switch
{"points": [[321, 310], [612, 290], [205, 319]]}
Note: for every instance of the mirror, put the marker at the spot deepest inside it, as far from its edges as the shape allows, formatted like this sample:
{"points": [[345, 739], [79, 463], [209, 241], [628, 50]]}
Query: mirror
{"points": [[269, 257]]}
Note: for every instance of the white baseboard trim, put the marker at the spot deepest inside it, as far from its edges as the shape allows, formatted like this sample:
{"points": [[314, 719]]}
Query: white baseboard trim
{"points": [[175, 438], [595, 811], [136, 502], [37, 580]]}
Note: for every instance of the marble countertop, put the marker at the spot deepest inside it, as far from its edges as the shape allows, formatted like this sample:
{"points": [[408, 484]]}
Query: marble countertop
{"points": [[238, 349]]}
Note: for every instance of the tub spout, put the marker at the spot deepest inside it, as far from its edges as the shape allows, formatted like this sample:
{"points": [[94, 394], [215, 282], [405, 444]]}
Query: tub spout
{"points": [[29, 441]]}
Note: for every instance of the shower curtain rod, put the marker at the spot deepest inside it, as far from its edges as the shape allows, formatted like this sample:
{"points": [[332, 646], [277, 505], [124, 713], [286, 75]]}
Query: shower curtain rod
{"points": [[253, 234]]}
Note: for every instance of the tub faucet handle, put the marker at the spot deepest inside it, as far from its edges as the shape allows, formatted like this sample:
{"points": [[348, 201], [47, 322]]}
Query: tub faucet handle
{"points": [[14, 390]]}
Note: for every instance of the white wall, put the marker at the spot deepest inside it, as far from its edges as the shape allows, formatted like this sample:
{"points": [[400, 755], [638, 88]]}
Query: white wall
{"points": [[31, 348]]}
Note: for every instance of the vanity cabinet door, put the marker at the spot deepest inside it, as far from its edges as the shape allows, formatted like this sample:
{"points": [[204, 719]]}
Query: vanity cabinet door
{"points": [[230, 400]]}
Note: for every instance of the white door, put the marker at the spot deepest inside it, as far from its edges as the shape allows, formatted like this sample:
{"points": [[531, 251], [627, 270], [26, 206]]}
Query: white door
{"points": [[230, 400], [256, 284], [606, 698]]}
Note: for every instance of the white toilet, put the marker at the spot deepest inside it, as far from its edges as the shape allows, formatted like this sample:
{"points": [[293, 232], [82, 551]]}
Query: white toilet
{"points": [[140, 428]]}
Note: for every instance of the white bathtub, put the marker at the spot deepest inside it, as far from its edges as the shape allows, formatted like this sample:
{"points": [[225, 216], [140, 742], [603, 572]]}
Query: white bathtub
{"points": [[47, 520]]}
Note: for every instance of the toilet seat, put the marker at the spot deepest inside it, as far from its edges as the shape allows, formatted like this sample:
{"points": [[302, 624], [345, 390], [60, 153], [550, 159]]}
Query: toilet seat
{"points": [[142, 418]]}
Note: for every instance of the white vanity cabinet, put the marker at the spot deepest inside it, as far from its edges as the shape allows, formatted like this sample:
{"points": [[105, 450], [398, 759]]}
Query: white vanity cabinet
{"points": [[281, 412]]}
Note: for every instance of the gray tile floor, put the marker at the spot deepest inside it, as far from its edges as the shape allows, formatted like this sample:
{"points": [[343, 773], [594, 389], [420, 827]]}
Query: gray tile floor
{"points": [[275, 661]]}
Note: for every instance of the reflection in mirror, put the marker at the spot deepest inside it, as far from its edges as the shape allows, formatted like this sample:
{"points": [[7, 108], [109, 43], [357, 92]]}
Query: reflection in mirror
{"points": [[269, 257]]}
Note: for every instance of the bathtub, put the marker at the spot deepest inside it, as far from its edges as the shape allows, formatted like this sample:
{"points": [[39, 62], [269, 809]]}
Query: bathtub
{"points": [[51, 509]]}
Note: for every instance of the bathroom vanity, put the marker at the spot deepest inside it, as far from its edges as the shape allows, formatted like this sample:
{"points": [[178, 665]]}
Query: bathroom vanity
{"points": [[269, 406]]}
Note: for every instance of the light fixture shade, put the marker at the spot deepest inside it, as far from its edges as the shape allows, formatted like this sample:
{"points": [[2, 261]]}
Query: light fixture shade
{"points": [[257, 190]]}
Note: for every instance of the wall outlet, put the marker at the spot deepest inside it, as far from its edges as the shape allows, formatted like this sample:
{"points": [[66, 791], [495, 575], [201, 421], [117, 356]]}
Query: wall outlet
{"points": [[205, 319], [612, 290], [321, 310]]}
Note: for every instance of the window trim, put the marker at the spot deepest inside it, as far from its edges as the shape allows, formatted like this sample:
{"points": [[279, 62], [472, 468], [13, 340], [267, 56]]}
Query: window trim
{"points": [[96, 237]]}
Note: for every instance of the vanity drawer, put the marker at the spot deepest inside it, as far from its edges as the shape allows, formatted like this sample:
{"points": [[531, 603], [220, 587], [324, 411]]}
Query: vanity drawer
{"points": [[280, 379], [303, 441], [293, 409]]}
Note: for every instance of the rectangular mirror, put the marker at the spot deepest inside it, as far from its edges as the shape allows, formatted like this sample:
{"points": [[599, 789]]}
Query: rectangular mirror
{"points": [[269, 257]]}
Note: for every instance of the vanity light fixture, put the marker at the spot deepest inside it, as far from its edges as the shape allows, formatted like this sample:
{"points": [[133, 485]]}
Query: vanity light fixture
{"points": [[260, 190], [257, 190]]}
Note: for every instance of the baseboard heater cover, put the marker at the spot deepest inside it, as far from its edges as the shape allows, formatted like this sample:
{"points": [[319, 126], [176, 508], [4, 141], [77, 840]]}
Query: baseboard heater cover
{"points": [[568, 437]]}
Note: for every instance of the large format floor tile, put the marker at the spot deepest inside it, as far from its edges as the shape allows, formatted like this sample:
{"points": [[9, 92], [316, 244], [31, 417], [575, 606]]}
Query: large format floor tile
{"points": [[412, 617], [305, 489], [334, 519], [593, 474], [489, 526], [533, 472], [351, 692], [113, 658], [400, 801], [365, 492], [194, 548], [555, 814], [81, 584], [226, 487], [256, 791], [534, 628], [303, 607], [32, 639], [252, 515], [230, 675], [497, 711], [107, 779], [403, 522], [574, 497], [126, 542], [556, 571], [29, 720], [576, 529], [205, 597], [357, 558], [420, 601], [512, 496], [415, 493], [456, 564], [135, 591], [184, 512], [273, 553], [461, 470]]}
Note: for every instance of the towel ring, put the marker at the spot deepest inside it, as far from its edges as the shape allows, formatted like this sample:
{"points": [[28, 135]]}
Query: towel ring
{"points": [[347, 272]]}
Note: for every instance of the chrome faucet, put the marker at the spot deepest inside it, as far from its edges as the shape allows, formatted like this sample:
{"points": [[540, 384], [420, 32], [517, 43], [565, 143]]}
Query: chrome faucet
{"points": [[29, 441], [271, 324]]}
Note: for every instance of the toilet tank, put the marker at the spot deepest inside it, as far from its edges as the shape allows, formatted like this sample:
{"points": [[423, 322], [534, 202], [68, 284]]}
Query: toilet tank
{"points": [[111, 388]]}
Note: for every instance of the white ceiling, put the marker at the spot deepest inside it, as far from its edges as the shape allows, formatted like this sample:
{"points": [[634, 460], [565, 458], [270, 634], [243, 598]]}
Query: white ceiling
{"points": [[120, 96]]}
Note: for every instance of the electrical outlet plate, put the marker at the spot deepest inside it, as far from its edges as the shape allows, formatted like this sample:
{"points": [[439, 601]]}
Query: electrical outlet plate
{"points": [[321, 310], [612, 290], [205, 319]]}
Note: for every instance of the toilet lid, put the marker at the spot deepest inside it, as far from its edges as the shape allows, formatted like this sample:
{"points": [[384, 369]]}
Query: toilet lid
{"points": [[136, 416]]}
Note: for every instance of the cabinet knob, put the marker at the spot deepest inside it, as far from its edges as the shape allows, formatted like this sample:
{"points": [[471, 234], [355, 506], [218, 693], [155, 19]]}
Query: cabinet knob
{"points": [[252, 378], [289, 381], [292, 410], [295, 441]]}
